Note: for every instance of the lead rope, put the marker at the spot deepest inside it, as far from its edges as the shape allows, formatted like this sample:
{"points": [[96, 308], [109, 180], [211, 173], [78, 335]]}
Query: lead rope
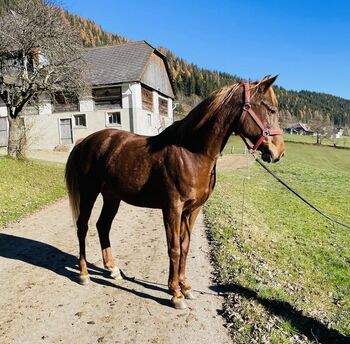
{"points": [[247, 177], [333, 221]]}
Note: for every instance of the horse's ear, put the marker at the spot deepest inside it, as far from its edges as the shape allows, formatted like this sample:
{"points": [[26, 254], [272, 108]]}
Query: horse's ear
{"points": [[266, 83]]}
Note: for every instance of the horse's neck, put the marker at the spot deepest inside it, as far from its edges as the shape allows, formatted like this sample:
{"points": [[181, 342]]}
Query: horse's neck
{"points": [[210, 138]]}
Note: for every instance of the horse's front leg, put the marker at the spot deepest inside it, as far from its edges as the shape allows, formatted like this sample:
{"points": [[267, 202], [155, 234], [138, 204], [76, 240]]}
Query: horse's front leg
{"points": [[187, 223], [172, 222]]}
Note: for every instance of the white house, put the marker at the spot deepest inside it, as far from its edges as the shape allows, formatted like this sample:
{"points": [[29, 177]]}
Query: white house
{"points": [[131, 90]]}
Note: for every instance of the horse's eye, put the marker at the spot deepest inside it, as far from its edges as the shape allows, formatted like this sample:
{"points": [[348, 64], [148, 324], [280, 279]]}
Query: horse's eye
{"points": [[272, 109]]}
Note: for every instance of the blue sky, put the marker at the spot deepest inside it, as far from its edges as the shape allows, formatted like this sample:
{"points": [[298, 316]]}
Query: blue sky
{"points": [[306, 42]]}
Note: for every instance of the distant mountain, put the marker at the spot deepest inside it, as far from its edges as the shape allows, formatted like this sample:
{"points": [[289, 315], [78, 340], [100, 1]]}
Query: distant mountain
{"points": [[193, 83]]}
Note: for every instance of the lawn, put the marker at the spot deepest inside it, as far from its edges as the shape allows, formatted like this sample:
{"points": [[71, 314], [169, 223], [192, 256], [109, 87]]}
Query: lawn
{"points": [[284, 269], [236, 145], [27, 186]]}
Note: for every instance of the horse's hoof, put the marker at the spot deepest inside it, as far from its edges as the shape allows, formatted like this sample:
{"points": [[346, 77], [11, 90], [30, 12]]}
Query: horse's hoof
{"points": [[84, 279], [188, 295], [115, 273], [179, 303]]}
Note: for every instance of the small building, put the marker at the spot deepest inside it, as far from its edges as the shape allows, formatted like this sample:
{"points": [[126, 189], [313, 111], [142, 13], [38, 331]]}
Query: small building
{"points": [[339, 133], [131, 89], [299, 129]]}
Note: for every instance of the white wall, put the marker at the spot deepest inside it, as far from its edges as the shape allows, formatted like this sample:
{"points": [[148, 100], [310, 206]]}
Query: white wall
{"points": [[158, 122], [44, 125], [3, 110]]}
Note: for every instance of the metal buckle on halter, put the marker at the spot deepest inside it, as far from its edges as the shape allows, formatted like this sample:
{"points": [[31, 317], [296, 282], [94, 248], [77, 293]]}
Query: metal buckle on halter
{"points": [[247, 106], [266, 132]]}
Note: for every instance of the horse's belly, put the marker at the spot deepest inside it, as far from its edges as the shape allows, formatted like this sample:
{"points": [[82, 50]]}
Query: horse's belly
{"points": [[144, 203]]}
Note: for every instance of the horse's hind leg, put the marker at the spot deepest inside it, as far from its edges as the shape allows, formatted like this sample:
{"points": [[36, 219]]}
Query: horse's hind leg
{"points": [[109, 210], [187, 222], [87, 200]]}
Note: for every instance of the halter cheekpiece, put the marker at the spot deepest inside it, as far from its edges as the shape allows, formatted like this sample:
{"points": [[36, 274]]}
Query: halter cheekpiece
{"points": [[247, 108]]}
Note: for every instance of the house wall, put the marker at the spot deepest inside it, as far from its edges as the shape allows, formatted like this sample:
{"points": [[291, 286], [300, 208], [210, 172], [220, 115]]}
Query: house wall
{"points": [[44, 125], [45, 131], [156, 123], [156, 76]]}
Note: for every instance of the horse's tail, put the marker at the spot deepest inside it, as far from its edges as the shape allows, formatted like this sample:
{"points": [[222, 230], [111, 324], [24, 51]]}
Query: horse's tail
{"points": [[72, 182]]}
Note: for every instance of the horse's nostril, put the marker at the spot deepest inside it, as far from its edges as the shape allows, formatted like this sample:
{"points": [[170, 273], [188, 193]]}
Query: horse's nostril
{"points": [[282, 155]]}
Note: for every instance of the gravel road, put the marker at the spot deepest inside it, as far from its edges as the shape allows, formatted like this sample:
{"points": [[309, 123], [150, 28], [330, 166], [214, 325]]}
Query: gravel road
{"points": [[41, 301]]}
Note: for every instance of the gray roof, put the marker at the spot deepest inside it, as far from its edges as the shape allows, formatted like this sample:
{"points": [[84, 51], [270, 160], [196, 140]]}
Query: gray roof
{"points": [[117, 64]]}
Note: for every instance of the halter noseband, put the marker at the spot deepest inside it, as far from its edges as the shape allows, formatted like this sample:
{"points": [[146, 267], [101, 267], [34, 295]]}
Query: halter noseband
{"points": [[247, 108]]}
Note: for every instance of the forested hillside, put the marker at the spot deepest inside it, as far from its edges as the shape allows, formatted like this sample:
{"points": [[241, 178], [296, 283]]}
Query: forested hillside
{"points": [[92, 34], [304, 106], [307, 106], [193, 83]]}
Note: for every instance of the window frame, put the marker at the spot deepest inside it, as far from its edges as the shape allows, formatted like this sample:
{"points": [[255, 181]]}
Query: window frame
{"points": [[74, 118], [149, 119], [113, 125]]}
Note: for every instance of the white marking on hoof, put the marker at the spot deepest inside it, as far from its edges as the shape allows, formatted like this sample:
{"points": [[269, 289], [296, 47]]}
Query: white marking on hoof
{"points": [[188, 295], [84, 279], [115, 273], [179, 303]]}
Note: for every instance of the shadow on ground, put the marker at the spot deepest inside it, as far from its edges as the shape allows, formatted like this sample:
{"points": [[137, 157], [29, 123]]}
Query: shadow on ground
{"points": [[51, 258], [310, 327]]}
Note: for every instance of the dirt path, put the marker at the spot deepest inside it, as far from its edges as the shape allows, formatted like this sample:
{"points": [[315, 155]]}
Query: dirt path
{"points": [[41, 301]]}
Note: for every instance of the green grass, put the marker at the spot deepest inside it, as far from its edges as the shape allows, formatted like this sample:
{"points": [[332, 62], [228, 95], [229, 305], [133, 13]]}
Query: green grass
{"points": [[288, 268], [27, 186], [235, 144]]}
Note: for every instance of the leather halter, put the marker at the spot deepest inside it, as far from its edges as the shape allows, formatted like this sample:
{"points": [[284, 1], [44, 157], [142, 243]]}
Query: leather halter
{"points": [[247, 108]]}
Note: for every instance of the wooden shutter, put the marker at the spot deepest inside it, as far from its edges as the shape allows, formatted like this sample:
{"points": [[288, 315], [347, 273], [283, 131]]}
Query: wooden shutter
{"points": [[147, 99], [163, 106]]}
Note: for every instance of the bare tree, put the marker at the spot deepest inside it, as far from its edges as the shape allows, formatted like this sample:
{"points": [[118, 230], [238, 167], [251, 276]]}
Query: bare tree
{"points": [[286, 119], [322, 126], [40, 56]]}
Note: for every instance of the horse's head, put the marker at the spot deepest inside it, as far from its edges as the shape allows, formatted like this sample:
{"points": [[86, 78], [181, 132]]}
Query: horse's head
{"points": [[259, 120]]}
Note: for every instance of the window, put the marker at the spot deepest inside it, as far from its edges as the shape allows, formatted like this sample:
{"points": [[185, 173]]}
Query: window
{"points": [[163, 106], [105, 98], [113, 119], [63, 102], [80, 120], [149, 118]]}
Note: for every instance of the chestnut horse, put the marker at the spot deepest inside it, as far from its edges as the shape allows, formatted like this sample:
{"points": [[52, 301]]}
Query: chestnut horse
{"points": [[173, 171]]}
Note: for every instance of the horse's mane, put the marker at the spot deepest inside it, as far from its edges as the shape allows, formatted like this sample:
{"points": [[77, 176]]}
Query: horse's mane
{"points": [[219, 105]]}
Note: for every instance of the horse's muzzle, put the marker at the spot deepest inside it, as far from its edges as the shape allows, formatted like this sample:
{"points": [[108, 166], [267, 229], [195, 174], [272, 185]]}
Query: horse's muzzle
{"points": [[269, 156]]}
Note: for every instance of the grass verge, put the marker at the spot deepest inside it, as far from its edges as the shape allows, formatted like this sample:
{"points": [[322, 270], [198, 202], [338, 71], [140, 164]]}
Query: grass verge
{"points": [[27, 186], [285, 271]]}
